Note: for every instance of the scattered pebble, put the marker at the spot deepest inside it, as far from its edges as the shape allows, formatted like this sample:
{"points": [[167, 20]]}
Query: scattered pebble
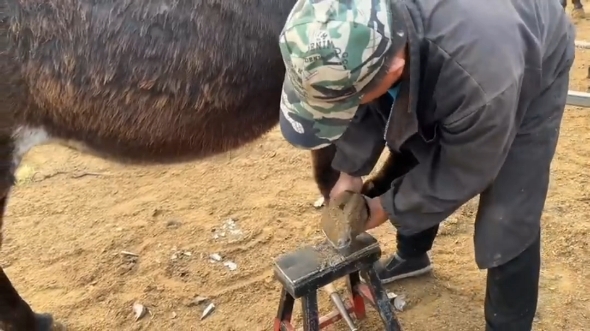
{"points": [[179, 254], [214, 258], [319, 203], [200, 299], [156, 212], [231, 265], [229, 229], [399, 303], [139, 310], [173, 314], [129, 256], [208, 310], [126, 253], [173, 224]]}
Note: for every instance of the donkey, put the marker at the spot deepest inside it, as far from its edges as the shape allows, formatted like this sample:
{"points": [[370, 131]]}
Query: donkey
{"points": [[137, 82]]}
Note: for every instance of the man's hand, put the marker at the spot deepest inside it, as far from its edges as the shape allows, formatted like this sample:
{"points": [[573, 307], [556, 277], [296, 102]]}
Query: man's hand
{"points": [[377, 215], [346, 183]]}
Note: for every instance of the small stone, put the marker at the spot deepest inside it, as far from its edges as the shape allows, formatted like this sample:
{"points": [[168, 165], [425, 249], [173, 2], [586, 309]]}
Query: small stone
{"points": [[139, 310], [215, 257], [208, 310], [173, 224], [200, 299], [319, 203], [230, 265], [399, 303], [197, 301]]}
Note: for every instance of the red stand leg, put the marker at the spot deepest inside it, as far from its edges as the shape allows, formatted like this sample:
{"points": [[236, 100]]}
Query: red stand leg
{"points": [[358, 302], [283, 320]]}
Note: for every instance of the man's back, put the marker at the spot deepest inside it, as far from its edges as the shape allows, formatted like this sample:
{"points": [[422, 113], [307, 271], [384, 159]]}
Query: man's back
{"points": [[509, 34]]}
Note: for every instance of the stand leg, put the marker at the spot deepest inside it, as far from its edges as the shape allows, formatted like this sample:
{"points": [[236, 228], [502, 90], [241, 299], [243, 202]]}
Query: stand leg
{"points": [[358, 303], [285, 311], [382, 303], [311, 319]]}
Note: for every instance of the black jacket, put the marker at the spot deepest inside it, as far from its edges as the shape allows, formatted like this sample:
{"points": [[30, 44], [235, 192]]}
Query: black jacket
{"points": [[474, 69]]}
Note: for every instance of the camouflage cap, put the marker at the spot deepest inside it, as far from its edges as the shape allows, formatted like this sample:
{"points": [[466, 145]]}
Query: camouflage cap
{"points": [[332, 49]]}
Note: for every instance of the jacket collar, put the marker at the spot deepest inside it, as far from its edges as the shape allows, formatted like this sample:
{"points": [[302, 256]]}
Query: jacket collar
{"points": [[402, 122]]}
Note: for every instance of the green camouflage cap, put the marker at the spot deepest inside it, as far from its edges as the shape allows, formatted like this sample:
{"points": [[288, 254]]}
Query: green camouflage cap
{"points": [[332, 49]]}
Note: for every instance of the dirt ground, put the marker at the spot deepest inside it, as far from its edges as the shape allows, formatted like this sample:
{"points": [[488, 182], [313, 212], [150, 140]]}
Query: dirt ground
{"points": [[71, 215]]}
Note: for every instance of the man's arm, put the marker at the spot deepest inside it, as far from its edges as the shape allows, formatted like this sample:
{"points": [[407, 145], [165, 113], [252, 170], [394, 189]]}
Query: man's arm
{"points": [[472, 149], [361, 145]]}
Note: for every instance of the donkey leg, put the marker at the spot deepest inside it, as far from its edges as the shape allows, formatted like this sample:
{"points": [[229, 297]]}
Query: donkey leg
{"points": [[379, 183], [396, 165], [15, 313], [324, 175], [578, 10]]}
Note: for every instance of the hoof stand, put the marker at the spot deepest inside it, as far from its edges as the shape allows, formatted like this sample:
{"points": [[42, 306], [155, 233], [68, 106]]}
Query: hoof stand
{"points": [[306, 270]]}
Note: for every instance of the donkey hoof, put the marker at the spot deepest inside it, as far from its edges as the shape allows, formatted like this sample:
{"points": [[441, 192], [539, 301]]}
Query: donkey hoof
{"points": [[45, 322], [578, 13]]}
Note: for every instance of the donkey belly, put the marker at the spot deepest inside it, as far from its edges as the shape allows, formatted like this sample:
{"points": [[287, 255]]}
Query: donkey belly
{"points": [[147, 143]]}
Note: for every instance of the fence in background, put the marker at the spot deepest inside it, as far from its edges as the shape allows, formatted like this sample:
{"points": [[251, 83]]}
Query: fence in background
{"points": [[577, 98]]}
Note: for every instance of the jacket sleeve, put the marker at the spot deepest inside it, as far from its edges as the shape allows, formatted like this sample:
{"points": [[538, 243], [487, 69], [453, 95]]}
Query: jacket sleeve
{"points": [[473, 144], [361, 145]]}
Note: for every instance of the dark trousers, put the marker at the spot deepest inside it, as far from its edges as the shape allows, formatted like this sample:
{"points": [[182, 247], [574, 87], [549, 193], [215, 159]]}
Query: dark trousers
{"points": [[416, 245], [512, 288]]}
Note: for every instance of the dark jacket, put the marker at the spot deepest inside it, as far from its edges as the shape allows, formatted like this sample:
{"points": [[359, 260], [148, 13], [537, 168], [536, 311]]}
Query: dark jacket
{"points": [[474, 70]]}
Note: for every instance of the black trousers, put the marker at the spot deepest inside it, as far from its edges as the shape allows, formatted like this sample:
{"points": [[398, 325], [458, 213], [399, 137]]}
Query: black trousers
{"points": [[512, 288]]}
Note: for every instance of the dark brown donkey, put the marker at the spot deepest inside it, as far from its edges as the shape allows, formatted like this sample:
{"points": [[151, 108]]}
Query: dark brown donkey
{"points": [[153, 81]]}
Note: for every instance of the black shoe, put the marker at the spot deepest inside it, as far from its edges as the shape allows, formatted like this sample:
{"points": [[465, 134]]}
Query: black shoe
{"points": [[396, 268]]}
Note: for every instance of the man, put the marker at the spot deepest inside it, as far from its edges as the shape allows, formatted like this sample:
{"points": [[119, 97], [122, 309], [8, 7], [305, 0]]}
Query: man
{"points": [[473, 91]]}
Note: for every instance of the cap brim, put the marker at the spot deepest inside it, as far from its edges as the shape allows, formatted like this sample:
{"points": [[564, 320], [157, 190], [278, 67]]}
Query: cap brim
{"points": [[313, 126]]}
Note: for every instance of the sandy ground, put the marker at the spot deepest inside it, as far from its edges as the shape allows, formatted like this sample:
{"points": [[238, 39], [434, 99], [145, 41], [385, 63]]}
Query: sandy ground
{"points": [[71, 215]]}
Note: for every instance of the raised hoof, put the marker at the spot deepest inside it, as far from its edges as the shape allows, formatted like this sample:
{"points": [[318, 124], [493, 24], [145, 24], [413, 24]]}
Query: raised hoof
{"points": [[375, 187], [45, 322], [578, 13], [344, 218]]}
